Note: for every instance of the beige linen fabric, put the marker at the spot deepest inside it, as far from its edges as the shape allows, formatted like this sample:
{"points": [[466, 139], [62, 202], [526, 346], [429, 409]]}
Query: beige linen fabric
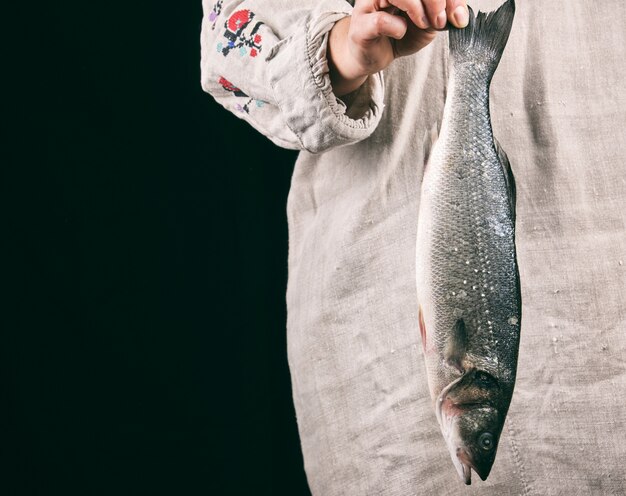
{"points": [[365, 417]]}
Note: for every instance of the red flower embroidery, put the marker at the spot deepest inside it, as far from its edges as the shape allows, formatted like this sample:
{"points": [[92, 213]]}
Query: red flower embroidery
{"points": [[228, 86], [236, 38], [239, 20]]}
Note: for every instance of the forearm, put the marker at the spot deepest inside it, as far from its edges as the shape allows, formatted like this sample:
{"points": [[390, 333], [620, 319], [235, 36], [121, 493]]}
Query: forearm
{"points": [[267, 63]]}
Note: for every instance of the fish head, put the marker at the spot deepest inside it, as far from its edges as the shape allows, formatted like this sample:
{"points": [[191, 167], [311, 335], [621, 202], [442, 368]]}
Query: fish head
{"points": [[473, 441], [471, 420]]}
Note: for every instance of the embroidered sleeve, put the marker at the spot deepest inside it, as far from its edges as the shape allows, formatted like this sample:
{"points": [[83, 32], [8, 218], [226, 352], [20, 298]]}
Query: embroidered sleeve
{"points": [[265, 61]]}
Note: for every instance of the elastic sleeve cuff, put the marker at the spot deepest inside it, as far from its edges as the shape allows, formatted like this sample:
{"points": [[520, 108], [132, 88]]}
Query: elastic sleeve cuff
{"points": [[301, 87]]}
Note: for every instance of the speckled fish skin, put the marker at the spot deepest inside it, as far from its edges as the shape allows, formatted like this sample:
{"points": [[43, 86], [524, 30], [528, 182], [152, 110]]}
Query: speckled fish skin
{"points": [[467, 275]]}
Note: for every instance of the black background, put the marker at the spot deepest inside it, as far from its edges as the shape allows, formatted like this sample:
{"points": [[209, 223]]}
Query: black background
{"points": [[143, 346]]}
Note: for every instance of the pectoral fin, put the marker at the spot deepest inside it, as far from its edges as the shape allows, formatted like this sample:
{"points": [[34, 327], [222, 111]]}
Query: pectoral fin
{"points": [[456, 346]]}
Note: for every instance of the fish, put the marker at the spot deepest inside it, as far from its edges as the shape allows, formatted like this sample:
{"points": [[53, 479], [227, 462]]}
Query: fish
{"points": [[467, 276]]}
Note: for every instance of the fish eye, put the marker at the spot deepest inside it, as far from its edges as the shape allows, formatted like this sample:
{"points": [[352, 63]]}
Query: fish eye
{"points": [[485, 441]]}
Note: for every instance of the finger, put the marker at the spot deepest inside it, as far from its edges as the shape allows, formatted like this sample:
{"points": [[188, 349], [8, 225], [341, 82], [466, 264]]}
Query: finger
{"points": [[458, 14], [436, 13], [415, 10], [368, 6], [379, 24]]}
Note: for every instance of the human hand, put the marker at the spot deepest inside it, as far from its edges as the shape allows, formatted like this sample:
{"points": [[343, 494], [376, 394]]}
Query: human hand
{"points": [[379, 31]]}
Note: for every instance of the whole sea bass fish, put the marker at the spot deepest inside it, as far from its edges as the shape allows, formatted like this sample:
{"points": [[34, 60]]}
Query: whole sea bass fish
{"points": [[467, 276]]}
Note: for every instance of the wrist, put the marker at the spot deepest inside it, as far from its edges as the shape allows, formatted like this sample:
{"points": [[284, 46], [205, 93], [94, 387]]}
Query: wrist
{"points": [[345, 75]]}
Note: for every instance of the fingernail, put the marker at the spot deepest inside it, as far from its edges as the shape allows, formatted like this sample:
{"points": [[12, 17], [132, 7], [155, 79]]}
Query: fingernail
{"points": [[442, 18], [425, 21], [461, 16]]}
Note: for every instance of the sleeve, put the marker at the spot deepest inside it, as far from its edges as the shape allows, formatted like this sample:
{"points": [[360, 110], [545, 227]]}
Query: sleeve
{"points": [[265, 61]]}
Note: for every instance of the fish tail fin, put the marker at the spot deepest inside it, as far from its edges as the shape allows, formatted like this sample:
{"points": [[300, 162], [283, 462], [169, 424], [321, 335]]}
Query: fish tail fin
{"points": [[484, 38]]}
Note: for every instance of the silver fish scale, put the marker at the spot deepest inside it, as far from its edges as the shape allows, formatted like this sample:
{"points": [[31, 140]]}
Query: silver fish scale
{"points": [[466, 269], [472, 257]]}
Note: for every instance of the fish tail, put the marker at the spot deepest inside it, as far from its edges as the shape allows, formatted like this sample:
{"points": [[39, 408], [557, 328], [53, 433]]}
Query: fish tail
{"points": [[484, 38]]}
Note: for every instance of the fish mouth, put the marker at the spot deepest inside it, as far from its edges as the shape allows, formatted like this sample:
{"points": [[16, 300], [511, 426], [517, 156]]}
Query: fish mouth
{"points": [[466, 474], [467, 465]]}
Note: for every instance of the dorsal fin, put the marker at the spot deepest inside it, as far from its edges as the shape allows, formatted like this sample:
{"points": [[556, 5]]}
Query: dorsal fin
{"points": [[508, 175], [456, 347]]}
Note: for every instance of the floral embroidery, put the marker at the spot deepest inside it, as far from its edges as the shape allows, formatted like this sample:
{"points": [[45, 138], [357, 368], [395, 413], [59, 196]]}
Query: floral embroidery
{"points": [[215, 12], [246, 43], [228, 86]]}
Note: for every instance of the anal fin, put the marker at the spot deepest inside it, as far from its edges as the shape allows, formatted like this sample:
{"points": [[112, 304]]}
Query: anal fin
{"points": [[508, 175]]}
